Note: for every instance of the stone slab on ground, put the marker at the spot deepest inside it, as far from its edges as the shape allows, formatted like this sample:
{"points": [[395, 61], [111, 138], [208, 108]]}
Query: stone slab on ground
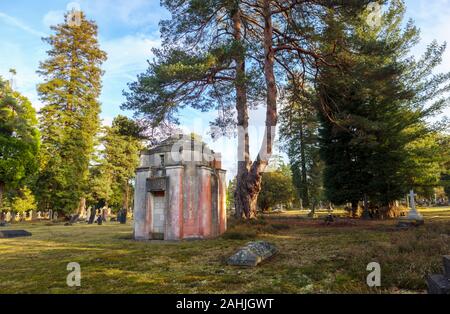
{"points": [[252, 254], [8, 234]]}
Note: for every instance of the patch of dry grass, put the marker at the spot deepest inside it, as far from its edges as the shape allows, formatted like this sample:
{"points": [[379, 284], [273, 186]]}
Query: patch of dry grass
{"points": [[313, 258]]}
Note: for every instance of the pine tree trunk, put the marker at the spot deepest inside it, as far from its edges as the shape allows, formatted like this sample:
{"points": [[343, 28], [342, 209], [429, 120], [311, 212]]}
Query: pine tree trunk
{"points": [[312, 213], [249, 175], [241, 196], [305, 191], [2, 191], [126, 200]]}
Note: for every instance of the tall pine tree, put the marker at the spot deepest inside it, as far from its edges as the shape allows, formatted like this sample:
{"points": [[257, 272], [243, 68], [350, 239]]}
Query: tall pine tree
{"points": [[376, 110], [299, 130], [70, 118], [122, 145]]}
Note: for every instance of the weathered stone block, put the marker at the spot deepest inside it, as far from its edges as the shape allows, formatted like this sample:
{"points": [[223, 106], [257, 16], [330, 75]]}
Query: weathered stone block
{"points": [[438, 284], [252, 254], [14, 234]]}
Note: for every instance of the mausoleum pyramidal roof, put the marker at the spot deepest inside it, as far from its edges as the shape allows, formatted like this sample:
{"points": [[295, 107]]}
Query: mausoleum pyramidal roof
{"points": [[186, 141], [181, 149]]}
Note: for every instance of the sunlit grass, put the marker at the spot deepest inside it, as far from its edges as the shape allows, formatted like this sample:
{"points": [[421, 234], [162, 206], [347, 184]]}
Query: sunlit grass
{"points": [[313, 258]]}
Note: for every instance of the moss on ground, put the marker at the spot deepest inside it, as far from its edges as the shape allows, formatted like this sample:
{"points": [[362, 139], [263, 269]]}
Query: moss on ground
{"points": [[313, 258]]}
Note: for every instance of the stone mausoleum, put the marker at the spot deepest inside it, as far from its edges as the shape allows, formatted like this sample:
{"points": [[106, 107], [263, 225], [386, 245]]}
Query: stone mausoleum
{"points": [[180, 191]]}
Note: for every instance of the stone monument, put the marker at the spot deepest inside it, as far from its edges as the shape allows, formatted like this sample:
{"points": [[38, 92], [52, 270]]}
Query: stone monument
{"points": [[440, 283], [180, 191], [413, 218]]}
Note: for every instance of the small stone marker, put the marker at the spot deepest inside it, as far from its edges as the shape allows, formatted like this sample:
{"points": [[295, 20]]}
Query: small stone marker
{"points": [[440, 283], [252, 254], [8, 234]]}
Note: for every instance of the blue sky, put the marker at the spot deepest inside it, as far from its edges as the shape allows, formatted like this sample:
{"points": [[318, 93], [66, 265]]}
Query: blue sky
{"points": [[128, 30]]}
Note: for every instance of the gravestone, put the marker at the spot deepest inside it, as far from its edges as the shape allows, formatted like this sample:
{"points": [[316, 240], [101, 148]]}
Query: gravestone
{"points": [[100, 219], [122, 216], [413, 218], [8, 234], [8, 217], [39, 215], [440, 283], [252, 254], [55, 216], [50, 215], [74, 218]]}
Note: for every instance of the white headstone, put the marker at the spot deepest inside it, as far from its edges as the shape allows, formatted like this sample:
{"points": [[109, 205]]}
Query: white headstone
{"points": [[413, 214]]}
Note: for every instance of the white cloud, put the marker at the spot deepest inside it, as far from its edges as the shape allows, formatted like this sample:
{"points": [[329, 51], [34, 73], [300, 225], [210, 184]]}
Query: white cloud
{"points": [[128, 55], [131, 12], [13, 56], [12, 21], [53, 18]]}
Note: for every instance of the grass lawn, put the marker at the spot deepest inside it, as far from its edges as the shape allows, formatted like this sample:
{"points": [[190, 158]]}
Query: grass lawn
{"points": [[313, 258]]}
